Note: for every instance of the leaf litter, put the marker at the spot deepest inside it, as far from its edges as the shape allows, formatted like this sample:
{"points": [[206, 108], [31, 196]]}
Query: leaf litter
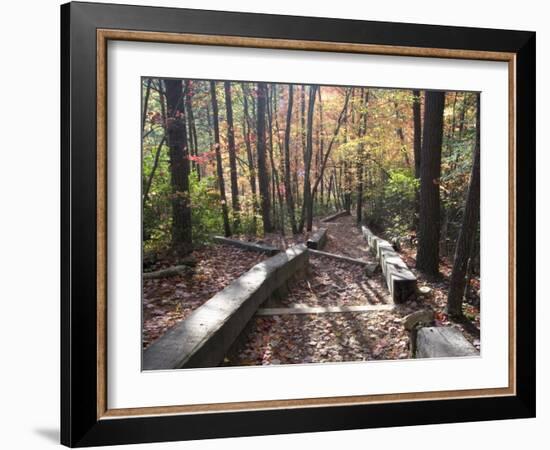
{"points": [[338, 337], [167, 301]]}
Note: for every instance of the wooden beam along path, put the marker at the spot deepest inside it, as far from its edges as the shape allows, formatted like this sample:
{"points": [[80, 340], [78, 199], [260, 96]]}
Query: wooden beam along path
{"points": [[304, 309]]}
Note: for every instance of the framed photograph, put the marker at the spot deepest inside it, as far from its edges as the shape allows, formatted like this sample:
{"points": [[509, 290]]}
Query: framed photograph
{"points": [[278, 224]]}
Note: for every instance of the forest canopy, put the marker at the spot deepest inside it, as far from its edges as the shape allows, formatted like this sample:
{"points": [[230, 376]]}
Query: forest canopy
{"points": [[346, 146]]}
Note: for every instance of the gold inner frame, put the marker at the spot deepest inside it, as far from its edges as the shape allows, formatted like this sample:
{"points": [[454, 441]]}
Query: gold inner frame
{"points": [[103, 36]]}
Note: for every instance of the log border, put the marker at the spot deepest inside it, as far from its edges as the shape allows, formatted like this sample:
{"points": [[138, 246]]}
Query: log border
{"points": [[203, 339], [400, 280]]}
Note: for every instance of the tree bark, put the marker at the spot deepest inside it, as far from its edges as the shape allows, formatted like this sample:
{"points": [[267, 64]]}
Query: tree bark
{"points": [[147, 186], [288, 184], [344, 176], [145, 105], [219, 167], [321, 148], [338, 187], [360, 163], [417, 126], [192, 128], [307, 206], [450, 132], [466, 237], [329, 191], [232, 159], [179, 167], [281, 169], [427, 259], [302, 113], [303, 119], [251, 168], [462, 117], [277, 195], [263, 176]]}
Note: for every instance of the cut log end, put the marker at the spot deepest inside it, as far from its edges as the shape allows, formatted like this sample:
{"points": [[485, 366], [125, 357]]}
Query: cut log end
{"points": [[425, 291], [317, 240], [411, 321], [442, 342]]}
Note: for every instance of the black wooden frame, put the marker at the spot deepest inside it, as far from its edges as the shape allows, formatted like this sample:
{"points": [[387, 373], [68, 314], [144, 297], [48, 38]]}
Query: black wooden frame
{"points": [[79, 423]]}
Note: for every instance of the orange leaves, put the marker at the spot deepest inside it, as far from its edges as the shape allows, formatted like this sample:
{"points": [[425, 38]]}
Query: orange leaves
{"points": [[202, 158], [154, 117]]}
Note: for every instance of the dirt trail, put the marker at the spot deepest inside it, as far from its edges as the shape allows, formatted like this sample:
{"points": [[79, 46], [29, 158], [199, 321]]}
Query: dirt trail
{"points": [[344, 238], [329, 337]]}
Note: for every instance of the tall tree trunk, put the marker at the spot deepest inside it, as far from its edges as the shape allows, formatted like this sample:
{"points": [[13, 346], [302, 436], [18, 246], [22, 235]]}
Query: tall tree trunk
{"points": [[473, 265], [451, 130], [320, 153], [444, 231], [307, 207], [341, 118], [462, 117], [219, 167], [400, 134], [466, 237], [344, 180], [145, 105], [360, 174], [427, 259], [295, 178], [303, 141], [359, 205], [277, 195], [149, 182], [193, 146], [263, 176], [347, 188], [281, 168], [247, 126], [417, 126], [232, 158], [338, 188], [303, 119], [209, 122], [179, 167], [269, 146], [329, 191], [288, 185]]}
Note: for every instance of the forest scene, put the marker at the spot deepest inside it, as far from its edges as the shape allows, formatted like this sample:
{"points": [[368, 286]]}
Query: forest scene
{"points": [[291, 223]]}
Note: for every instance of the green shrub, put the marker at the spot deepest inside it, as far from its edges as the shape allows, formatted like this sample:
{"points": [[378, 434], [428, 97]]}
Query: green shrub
{"points": [[206, 217], [391, 206]]}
